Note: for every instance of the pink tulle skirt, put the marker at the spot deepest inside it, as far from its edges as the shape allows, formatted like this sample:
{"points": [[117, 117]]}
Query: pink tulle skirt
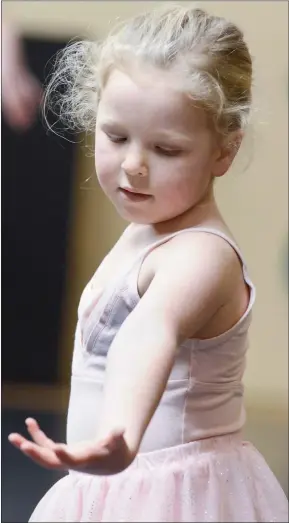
{"points": [[218, 479]]}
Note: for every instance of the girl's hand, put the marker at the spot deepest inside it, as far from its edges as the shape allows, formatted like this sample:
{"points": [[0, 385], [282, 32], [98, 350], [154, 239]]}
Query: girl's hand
{"points": [[107, 456]]}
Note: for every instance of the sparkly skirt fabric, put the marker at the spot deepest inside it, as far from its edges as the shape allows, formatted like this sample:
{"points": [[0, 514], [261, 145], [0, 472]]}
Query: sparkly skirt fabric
{"points": [[218, 479]]}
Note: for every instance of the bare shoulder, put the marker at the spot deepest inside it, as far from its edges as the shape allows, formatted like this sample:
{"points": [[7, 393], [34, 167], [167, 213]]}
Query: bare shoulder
{"points": [[194, 276], [201, 262], [203, 249], [192, 255]]}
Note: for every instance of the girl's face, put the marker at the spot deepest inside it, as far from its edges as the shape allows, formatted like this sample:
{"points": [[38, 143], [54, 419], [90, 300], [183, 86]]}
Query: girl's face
{"points": [[155, 154]]}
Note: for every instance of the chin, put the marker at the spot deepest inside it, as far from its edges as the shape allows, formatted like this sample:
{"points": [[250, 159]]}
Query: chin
{"points": [[134, 217], [145, 215], [141, 219]]}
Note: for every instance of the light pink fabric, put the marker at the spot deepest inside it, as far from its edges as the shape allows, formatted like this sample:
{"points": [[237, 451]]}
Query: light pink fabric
{"points": [[192, 464], [219, 479], [204, 393]]}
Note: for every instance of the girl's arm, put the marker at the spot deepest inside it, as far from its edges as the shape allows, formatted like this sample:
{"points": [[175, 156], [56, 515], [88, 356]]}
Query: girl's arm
{"points": [[187, 290], [194, 280]]}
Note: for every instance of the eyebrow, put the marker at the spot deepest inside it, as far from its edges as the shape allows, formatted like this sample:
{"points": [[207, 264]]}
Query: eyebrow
{"points": [[111, 123], [173, 136]]}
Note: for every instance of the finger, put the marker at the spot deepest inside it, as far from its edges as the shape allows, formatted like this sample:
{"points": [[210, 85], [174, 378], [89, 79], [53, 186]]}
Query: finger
{"points": [[42, 456], [70, 459], [114, 439], [75, 455], [113, 435], [17, 440], [37, 434], [81, 456]]}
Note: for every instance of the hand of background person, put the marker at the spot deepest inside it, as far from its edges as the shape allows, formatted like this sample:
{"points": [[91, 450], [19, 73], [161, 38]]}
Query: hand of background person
{"points": [[21, 90]]}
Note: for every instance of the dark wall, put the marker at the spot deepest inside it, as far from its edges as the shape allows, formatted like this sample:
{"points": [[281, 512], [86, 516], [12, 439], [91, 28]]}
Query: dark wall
{"points": [[37, 180]]}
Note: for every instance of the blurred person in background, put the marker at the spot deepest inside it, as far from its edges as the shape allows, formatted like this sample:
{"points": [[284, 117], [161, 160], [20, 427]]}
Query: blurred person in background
{"points": [[21, 90], [37, 183]]}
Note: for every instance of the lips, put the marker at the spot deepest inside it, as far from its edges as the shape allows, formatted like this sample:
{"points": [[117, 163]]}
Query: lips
{"points": [[131, 195]]}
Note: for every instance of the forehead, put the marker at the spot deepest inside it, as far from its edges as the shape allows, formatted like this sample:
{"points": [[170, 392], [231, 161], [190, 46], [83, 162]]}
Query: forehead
{"points": [[147, 97]]}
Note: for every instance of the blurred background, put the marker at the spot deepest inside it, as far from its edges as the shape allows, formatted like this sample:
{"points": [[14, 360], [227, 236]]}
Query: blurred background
{"points": [[57, 227]]}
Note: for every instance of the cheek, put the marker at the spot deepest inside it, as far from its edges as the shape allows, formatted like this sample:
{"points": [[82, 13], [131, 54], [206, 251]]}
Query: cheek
{"points": [[105, 161], [174, 188], [176, 176], [183, 183], [182, 188]]}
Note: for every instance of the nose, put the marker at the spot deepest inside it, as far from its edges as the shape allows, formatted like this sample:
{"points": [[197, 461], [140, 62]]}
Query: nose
{"points": [[135, 163]]}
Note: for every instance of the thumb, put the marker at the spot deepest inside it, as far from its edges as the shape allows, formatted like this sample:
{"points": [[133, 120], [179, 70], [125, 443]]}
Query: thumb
{"points": [[114, 438]]}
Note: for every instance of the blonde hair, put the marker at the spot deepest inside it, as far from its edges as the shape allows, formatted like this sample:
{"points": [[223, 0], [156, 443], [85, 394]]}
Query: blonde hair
{"points": [[208, 52]]}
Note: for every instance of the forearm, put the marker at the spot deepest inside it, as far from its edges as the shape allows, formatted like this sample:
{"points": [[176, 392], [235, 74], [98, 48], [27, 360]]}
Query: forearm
{"points": [[138, 368]]}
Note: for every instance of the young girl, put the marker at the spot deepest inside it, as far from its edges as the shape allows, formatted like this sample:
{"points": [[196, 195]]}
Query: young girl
{"points": [[156, 409]]}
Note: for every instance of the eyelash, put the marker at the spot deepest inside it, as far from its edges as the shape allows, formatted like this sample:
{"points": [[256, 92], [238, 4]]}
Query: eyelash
{"points": [[159, 150], [168, 152], [116, 139]]}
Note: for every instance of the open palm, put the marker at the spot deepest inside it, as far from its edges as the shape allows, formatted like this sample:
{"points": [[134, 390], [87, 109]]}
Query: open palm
{"points": [[106, 456]]}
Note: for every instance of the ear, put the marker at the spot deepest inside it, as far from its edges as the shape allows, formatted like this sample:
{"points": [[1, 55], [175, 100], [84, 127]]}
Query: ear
{"points": [[227, 151]]}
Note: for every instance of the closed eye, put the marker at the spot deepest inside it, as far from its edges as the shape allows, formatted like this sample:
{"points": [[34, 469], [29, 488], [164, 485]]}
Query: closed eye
{"points": [[115, 138], [168, 152]]}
